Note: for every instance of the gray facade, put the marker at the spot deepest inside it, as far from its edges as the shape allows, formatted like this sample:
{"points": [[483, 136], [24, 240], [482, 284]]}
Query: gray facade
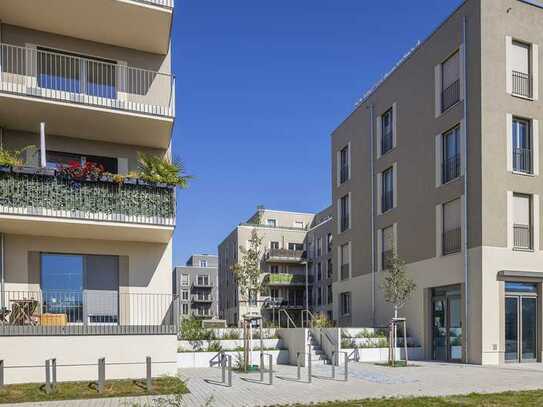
{"points": [[196, 283]]}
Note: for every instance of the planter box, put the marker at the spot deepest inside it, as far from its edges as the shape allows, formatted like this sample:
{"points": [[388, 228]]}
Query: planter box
{"points": [[205, 359], [380, 355], [228, 344]]}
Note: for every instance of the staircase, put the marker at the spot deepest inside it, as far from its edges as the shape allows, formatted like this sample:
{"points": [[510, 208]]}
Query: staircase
{"points": [[318, 357]]}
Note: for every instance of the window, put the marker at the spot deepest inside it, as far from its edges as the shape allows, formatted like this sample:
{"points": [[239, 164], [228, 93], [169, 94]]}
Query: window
{"points": [[319, 296], [274, 245], [185, 295], [274, 269], [387, 246], [203, 279], [271, 222], [252, 297], [387, 194], [59, 158], [185, 309], [184, 279], [522, 221], [345, 304], [345, 261], [521, 69], [296, 246], [451, 155], [451, 239], [450, 82], [344, 164], [330, 294], [344, 213], [319, 247], [387, 132], [329, 240], [203, 263], [522, 146], [299, 224], [329, 270], [319, 271]]}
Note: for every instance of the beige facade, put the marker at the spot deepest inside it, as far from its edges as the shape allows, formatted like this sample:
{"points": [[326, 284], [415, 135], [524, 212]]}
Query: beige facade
{"points": [[91, 258], [442, 169]]}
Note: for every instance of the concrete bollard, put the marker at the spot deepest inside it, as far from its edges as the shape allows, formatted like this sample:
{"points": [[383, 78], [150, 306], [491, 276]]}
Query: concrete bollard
{"points": [[309, 374], [54, 373], [101, 374], [261, 366], [346, 366], [1, 374], [48, 376], [333, 363], [229, 370], [223, 367], [298, 367], [270, 361], [149, 373]]}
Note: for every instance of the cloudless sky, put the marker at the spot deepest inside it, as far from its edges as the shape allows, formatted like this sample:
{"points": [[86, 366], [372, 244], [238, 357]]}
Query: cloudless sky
{"points": [[261, 84]]}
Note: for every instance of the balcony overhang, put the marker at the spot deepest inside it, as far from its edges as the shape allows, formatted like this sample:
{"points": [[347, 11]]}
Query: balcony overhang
{"points": [[137, 24], [79, 229], [25, 113]]}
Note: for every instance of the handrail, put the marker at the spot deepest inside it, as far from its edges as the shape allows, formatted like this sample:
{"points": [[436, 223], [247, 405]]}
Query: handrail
{"points": [[289, 319], [220, 360], [309, 314]]}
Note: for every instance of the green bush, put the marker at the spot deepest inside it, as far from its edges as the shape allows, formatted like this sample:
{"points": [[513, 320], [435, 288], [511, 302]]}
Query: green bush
{"points": [[191, 330], [214, 346]]}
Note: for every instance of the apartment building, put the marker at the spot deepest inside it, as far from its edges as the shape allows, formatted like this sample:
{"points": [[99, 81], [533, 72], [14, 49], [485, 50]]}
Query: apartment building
{"points": [[285, 270], [319, 242], [86, 257], [196, 284], [439, 164]]}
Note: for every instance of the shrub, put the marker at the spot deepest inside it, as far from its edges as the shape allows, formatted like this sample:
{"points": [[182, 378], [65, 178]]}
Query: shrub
{"points": [[14, 158], [159, 170], [191, 330], [321, 321], [231, 334], [82, 172], [214, 346]]}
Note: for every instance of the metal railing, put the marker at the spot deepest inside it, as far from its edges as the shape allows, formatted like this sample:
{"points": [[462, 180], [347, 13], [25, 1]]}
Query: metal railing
{"points": [[522, 160], [344, 222], [522, 236], [31, 192], [451, 241], [87, 312], [451, 168], [202, 298], [161, 3], [344, 271], [450, 95], [74, 79], [522, 84], [285, 254], [343, 173], [198, 284], [387, 201], [386, 142]]}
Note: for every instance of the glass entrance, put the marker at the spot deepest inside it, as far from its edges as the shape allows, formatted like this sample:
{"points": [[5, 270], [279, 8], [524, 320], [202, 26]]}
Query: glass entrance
{"points": [[520, 322], [446, 324]]}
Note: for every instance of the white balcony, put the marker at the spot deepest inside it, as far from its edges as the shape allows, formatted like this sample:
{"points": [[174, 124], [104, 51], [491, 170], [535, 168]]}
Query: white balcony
{"points": [[85, 98], [139, 24]]}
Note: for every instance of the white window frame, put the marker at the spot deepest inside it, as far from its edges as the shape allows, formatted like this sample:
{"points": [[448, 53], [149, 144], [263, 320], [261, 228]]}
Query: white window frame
{"points": [[271, 222], [534, 60], [338, 164], [379, 244], [184, 279], [438, 80], [535, 208], [339, 231], [534, 129], [438, 159], [379, 129]]}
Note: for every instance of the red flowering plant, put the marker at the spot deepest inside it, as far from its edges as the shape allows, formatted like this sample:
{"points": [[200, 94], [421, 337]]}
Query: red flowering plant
{"points": [[90, 171]]}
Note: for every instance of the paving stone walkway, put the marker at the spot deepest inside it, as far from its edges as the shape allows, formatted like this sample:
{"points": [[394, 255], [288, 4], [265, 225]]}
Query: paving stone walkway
{"points": [[365, 381]]}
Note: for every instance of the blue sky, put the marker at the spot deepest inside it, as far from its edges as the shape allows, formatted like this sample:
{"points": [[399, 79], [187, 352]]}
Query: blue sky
{"points": [[260, 87]]}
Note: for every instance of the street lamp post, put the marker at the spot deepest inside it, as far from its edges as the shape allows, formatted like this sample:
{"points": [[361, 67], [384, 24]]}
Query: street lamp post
{"points": [[306, 290]]}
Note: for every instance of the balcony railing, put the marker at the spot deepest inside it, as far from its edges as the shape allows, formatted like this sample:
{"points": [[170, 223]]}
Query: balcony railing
{"points": [[452, 240], [344, 222], [522, 84], [285, 279], [285, 255], [344, 174], [31, 192], [161, 3], [202, 284], [387, 201], [386, 142], [202, 298], [450, 95], [451, 168], [280, 302], [344, 271], [86, 312], [73, 79], [522, 160], [522, 237]]}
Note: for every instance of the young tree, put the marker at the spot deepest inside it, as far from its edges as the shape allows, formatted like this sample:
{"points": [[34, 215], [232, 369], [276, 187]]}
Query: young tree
{"points": [[398, 287], [247, 270]]}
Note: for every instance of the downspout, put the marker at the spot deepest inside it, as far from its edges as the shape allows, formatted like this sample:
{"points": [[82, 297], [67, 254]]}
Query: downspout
{"points": [[372, 218], [2, 277], [465, 217]]}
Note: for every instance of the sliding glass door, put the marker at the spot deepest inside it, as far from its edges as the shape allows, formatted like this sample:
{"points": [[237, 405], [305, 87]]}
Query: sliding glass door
{"points": [[520, 322], [446, 324]]}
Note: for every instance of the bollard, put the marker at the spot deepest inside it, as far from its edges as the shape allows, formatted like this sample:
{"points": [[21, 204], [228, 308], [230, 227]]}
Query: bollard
{"points": [[48, 376], [101, 374], [229, 370], [149, 374], [1, 374], [309, 365], [333, 363], [270, 359], [298, 369], [223, 367], [54, 373], [346, 366], [261, 366]]}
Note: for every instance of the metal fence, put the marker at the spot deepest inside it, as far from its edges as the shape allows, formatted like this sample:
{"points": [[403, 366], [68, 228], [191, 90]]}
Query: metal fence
{"points": [[451, 168], [522, 84], [522, 160], [160, 3], [31, 193], [387, 201], [452, 240], [522, 236], [66, 77], [450, 96], [386, 142], [87, 312]]}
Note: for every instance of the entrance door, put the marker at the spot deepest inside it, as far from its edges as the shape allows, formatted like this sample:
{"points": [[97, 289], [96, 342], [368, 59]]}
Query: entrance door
{"points": [[520, 322], [447, 324]]}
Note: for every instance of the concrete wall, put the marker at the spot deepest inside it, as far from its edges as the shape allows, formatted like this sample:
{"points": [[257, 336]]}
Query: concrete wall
{"points": [[296, 340], [77, 356]]}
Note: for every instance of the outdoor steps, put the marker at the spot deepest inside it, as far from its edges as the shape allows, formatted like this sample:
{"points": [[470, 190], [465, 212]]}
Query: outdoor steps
{"points": [[316, 353]]}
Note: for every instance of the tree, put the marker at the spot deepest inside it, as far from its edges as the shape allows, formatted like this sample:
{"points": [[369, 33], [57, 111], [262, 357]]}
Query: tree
{"points": [[398, 287], [247, 270]]}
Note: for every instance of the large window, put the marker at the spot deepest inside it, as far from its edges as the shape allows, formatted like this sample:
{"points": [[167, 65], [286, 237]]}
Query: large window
{"points": [[521, 69], [451, 155], [345, 261], [84, 288], [319, 247], [387, 246], [450, 81], [522, 146], [329, 269], [522, 222], [296, 246], [345, 304], [344, 164], [319, 271], [387, 131], [387, 192], [344, 213], [451, 227], [55, 159], [203, 279], [330, 294]]}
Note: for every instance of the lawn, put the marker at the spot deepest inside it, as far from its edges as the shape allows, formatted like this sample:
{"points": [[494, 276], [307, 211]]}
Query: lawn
{"points": [[33, 392], [508, 399]]}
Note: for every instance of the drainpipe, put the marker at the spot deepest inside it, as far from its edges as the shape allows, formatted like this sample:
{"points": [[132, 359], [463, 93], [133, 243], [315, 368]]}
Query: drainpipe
{"points": [[2, 277], [43, 161], [372, 210], [465, 218]]}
